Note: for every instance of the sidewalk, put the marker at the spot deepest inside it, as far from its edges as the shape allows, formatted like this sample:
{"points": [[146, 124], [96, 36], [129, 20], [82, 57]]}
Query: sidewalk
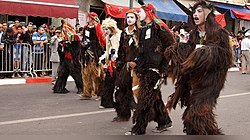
{"points": [[48, 79], [15, 81]]}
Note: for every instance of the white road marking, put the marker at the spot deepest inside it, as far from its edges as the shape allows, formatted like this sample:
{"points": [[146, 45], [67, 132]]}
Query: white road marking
{"points": [[234, 95], [56, 117], [87, 113]]}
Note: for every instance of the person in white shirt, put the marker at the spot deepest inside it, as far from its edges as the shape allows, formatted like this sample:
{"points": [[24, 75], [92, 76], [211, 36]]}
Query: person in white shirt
{"points": [[54, 58], [245, 49]]}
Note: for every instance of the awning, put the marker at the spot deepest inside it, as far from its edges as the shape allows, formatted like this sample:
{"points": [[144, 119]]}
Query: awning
{"points": [[43, 8], [168, 10], [187, 3], [118, 8], [235, 11]]}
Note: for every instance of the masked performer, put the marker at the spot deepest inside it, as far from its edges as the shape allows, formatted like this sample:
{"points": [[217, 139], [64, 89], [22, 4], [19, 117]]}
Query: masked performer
{"points": [[69, 51], [93, 42], [113, 35], [128, 50], [203, 72], [155, 37]]}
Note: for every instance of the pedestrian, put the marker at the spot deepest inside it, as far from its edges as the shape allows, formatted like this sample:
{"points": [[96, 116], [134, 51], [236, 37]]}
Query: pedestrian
{"points": [[18, 36], [54, 58], [245, 50], [39, 40], [202, 71], [150, 64], [127, 52], [8, 40]]}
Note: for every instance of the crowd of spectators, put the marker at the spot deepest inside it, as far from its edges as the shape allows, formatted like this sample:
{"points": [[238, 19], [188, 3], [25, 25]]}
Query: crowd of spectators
{"points": [[12, 37]]}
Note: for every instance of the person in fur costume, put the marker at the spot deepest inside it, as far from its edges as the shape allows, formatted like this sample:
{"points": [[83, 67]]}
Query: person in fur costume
{"points": [[69, 51], [127, 52], [150, 65], [93, 41], [113, 35], [200, 71]]}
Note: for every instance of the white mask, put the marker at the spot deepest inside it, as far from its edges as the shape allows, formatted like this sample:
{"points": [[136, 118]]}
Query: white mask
{"points": [[142, 14], [107, 31], [131, 19]]}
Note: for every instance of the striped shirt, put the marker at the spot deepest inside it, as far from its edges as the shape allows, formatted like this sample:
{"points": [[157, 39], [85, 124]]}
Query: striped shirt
{"points": [[38, 37]]}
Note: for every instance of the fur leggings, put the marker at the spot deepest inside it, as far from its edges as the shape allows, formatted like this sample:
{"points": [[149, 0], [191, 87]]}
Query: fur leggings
{"points": [[198, 117], [91, 79], [107, 90], [123, 94], [150, 106]]}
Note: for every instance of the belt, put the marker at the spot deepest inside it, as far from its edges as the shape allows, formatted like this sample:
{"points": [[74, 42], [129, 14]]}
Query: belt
{"points": [[245, 50]]}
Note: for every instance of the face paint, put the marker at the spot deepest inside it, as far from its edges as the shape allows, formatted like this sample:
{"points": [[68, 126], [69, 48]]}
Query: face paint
{"points": [[142, 15], [199, 16], [131, 19]]}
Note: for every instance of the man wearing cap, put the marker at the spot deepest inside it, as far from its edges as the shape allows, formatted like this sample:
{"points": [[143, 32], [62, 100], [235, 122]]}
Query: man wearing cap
{"points": [[245, 49], [93, 42], [150, 65]]}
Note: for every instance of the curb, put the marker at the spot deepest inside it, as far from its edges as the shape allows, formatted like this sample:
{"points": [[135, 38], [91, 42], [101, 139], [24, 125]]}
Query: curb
{"points": [[49, 79], [234, 69], [21, 81]]}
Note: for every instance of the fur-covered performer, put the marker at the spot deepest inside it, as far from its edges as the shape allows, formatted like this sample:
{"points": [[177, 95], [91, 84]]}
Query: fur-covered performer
{"points": [[113, 35], [155, 37], [202, 74], [93, 42], [128, 50], [69, 51]]}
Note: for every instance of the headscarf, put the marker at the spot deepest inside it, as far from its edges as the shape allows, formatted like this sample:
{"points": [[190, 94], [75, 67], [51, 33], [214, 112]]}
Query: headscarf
{"points": [[99, 32], [69, 34], [151, 13]]}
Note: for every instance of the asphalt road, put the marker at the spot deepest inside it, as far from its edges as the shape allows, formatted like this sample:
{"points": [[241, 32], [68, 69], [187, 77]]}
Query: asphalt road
{"points": [[34, 110]]}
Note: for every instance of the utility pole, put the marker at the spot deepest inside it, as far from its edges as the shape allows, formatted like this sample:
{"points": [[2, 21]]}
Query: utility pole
{"points": [[131, 4]]}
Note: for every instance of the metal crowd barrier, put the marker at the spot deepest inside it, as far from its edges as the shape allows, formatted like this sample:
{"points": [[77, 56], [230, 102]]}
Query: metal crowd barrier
{"points": [[26, 59]]}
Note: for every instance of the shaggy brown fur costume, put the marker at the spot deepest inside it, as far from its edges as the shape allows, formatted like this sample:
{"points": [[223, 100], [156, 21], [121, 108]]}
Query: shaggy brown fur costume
{"points": [[200, 77]]}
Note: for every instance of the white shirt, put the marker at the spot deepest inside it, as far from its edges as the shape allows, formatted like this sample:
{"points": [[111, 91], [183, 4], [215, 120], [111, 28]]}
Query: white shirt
{"points": [[1, 35], [245, 44]]}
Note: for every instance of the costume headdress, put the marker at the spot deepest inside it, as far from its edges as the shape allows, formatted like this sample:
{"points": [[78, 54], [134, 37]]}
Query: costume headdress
{"points": [[94, 16], [99, 32], [151, 13], [110, 23], [69, 34]]}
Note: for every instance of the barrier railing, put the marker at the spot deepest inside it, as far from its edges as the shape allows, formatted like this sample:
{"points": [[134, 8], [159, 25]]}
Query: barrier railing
{"points": [[25, 59]]}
